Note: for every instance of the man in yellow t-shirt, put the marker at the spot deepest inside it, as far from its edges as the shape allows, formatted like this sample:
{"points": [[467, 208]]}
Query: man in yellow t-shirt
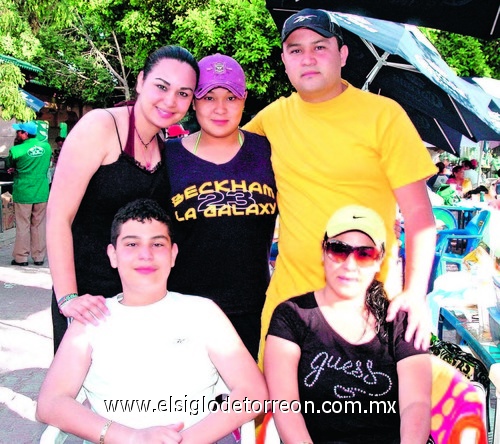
{"points": [[334, 145]]}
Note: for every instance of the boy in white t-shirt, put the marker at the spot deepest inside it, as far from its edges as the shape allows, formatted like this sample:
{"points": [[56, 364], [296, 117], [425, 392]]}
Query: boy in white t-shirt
{"points": [[160, 350]]}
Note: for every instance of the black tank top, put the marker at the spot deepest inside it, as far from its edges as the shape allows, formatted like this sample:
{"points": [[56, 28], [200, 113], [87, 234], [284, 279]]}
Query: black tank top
{"points": [[111, 187]]}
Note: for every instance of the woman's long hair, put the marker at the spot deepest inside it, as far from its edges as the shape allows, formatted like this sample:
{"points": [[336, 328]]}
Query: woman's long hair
{"points": [[376, 302]]}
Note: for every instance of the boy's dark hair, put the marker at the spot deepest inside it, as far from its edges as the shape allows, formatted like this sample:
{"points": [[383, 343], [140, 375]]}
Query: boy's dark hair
{"points": [[139, 210]]}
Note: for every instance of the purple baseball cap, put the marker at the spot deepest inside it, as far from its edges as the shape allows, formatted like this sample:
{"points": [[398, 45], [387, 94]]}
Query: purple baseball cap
{"points": [[220, 71]]}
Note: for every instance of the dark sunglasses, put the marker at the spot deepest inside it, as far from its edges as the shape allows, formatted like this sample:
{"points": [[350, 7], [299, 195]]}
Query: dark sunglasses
{"points": [[338, 251]]}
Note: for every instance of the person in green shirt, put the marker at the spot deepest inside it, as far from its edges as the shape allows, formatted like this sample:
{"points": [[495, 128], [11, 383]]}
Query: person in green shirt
{"points": [[29, 162], [495, 164]]}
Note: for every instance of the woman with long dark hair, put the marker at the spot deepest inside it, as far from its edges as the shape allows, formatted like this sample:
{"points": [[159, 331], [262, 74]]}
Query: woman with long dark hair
{"points": [[111, 157]]}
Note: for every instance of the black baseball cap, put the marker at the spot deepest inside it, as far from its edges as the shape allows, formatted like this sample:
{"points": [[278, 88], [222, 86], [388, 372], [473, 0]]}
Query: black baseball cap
{"points": [[316, 20]]}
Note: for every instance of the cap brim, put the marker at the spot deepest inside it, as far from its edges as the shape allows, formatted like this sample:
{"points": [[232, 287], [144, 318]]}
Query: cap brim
{"points": [[204, 90], [368, 232], [322, 32], [17, 127]]}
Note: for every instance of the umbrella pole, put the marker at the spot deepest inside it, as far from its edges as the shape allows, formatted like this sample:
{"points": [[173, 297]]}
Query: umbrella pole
{"points": [[450, 145], [482, 144], [495, 22], [381, 61]]}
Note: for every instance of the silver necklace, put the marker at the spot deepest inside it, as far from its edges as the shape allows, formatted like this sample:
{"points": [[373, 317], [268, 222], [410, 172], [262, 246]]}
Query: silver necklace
{"points": [[142, 141]]}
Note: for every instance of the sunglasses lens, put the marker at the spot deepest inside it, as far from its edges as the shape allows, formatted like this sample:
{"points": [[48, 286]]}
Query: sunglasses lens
{"points": [[366, 255], [339, 252]]}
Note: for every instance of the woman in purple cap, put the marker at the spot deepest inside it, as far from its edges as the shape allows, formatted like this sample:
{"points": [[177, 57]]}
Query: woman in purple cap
{"points": [[223, 196]]}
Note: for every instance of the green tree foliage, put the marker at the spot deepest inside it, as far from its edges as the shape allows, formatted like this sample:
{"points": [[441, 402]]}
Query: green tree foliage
{"points": [[491, 52], [97, 52], [94, 49], [242, 29], [102, 46], [12, 104], [17, 38], [82, 56], [468, 56], [74, 67]]}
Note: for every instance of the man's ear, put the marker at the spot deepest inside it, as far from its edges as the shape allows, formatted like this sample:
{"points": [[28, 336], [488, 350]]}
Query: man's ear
{"points": [[112, 256], [344, 53], [175, 251]]}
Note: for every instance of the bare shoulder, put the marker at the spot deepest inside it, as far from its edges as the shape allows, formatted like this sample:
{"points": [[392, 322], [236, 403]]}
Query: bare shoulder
{"points": [[101, 120], [94, 128]]}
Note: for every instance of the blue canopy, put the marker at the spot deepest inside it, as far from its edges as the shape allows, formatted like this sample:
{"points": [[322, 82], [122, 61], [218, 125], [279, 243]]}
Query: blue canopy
{"points": [[479, 18], [398, 61], [33, 102]]}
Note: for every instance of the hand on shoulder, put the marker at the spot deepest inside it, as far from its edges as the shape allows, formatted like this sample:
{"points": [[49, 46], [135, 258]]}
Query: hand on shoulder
{"points": [[419, 319]]}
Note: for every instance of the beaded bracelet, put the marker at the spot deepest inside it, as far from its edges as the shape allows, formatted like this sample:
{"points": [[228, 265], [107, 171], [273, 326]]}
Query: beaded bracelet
{"points": [[66, 299], [104, 431]]}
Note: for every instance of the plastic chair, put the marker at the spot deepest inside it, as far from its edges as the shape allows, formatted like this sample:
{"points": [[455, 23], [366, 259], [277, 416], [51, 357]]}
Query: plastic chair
{"points": [[273, 254], [453, 245], [446, 217], [53, 435], [457, 409], [458, 413]]}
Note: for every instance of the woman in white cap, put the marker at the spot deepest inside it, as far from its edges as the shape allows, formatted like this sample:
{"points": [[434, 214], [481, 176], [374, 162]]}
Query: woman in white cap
{"points": [[223, 197], [356, 377]]}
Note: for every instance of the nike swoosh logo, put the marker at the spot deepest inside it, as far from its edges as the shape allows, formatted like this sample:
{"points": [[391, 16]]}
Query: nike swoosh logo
{"points": [[358, 217]]}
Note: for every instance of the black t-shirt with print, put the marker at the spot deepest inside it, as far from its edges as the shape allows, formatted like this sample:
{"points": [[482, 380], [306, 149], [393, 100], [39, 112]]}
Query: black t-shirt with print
{"points": [[223, 218], [348, 393]]}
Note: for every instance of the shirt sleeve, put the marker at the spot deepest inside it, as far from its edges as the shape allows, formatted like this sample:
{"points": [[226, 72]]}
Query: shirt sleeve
{"points": [[286, 323], [256, 125], [402, 348], [10, 160], [403, 155], [211, 322]]}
